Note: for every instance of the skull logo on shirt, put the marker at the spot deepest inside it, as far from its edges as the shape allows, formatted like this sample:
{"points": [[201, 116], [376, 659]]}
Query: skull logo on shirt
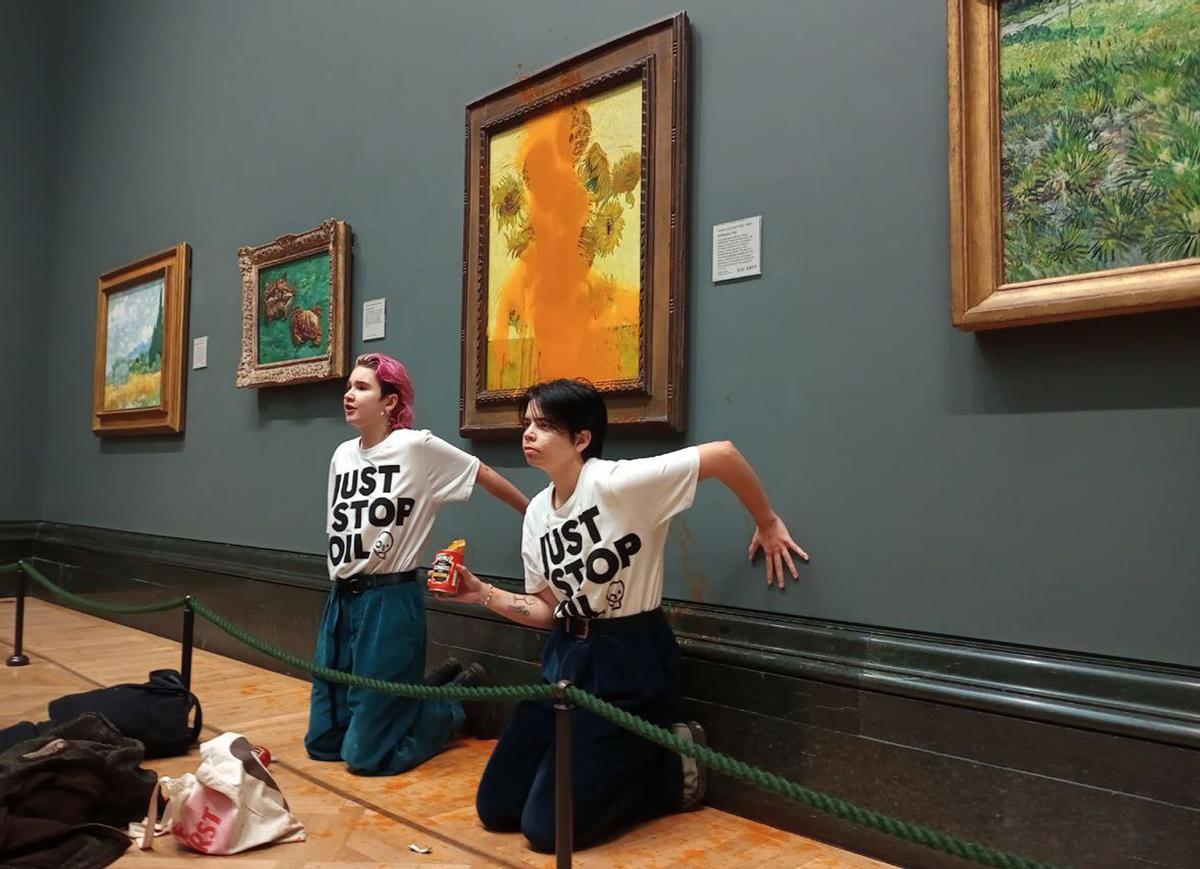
{"points": [[382, 544], [616, 593]]}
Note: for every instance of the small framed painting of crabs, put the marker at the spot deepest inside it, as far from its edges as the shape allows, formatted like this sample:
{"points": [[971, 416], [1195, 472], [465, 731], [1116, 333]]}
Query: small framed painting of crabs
{"points": [[295, 294]]}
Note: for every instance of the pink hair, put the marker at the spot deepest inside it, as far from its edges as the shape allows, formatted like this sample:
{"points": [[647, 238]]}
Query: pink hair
{"points": [[393, 380]]}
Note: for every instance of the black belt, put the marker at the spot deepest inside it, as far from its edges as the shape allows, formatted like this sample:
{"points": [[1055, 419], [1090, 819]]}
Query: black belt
{"points": [[361, 582], [583, 628]]}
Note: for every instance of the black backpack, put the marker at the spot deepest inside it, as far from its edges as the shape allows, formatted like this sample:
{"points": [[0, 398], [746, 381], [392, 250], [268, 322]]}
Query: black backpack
{"points": [[154, 713]]}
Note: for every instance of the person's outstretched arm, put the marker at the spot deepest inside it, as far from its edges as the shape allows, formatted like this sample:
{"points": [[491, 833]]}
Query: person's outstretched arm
{"points": [[499, 487], [722, 460]]}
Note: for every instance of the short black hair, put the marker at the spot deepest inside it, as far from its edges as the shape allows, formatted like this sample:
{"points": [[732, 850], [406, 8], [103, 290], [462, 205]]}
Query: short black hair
{"points": [[570, 406]]}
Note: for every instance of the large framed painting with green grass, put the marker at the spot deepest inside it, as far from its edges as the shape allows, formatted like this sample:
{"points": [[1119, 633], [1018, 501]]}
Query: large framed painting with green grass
{"points": [[575, 227], [141, 328], [1074, 158], [295, 291]]}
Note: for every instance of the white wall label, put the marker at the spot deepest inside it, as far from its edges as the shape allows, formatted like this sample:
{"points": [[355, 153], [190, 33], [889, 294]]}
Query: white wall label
{"points": [[737, 249], [374, 317], [200, 352]]}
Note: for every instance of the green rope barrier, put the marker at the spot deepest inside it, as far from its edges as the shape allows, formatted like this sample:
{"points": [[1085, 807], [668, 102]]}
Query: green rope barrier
{"points": [[730, 766], [814, 799], [399, 689], [715, 760], [96, 606]]}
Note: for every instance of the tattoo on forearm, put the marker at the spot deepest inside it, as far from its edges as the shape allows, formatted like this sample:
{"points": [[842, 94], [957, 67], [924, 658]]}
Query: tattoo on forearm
{"points": [[520, 604]]}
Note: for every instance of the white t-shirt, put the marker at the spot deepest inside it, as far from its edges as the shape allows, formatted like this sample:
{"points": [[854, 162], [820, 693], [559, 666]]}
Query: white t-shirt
{"points": [[602, 551], [382, 501]]}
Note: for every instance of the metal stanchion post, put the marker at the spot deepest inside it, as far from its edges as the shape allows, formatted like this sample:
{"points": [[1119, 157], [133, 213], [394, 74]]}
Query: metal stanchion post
{"points": [[564, 797], [189, 630], [18, 658]]}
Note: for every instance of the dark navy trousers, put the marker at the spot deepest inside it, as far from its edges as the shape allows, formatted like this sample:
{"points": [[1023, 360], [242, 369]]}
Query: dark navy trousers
{"points": [[618, 777]]}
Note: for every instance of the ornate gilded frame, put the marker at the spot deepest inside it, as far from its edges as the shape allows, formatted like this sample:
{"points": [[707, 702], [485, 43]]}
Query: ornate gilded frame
{"points": [[658, 54], [333, 237]]}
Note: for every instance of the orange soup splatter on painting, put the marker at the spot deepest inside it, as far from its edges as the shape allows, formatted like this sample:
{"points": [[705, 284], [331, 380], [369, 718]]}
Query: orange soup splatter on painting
{"points": [[564, 246]]}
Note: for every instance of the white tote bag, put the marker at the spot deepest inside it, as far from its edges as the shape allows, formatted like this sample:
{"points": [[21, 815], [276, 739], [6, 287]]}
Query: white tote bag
{"points": [[230, 804]]}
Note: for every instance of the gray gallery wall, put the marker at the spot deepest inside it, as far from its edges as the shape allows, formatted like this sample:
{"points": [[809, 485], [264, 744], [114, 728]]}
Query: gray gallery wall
{"points": [[1038, 486], [29, 67]]}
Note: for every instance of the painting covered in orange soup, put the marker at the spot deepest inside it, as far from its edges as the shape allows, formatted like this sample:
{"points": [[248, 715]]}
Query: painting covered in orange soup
{"points": [[564, 244]]}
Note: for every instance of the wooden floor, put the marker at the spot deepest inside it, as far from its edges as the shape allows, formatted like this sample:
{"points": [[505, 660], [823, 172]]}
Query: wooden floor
{"points": [[353, 822]]}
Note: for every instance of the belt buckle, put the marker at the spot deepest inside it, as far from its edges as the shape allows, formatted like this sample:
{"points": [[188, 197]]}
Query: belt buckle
{"points": [[354, 585], [578, 627]]}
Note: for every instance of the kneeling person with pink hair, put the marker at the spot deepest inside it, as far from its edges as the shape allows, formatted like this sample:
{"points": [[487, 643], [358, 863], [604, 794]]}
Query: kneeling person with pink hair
{"points": [[386, 487]]}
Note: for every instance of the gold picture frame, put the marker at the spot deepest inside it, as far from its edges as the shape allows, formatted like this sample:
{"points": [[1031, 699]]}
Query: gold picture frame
{"points": [[575, 234], [138, 385], [295, 296], [982, 298]]}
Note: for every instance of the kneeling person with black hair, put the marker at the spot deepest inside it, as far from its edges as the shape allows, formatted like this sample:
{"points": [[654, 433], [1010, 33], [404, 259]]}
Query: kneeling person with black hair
{"points": [[592, 546]]}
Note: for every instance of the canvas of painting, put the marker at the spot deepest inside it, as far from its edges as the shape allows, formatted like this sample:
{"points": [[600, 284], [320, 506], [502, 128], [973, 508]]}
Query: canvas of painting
{"points": [[134, 345], [564, 244], [1100, 106], [294, 301]]}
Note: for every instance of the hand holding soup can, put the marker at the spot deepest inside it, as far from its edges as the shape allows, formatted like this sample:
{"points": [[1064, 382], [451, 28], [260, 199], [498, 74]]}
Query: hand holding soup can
{"points": [[443, 575]]}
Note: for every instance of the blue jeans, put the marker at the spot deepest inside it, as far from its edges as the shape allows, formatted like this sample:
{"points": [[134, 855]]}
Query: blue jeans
{"points": [[379, 633], [618, 778]]}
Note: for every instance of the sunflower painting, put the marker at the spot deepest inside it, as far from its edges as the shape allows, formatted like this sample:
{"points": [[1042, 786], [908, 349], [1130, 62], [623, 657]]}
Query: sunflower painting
{"points": [[575, 229], [564, 243]]}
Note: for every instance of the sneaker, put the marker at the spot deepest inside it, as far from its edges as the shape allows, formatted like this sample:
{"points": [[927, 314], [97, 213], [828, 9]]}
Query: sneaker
{"points": [[443, 672], [483, 716], [695, 778], [472, 676]]}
